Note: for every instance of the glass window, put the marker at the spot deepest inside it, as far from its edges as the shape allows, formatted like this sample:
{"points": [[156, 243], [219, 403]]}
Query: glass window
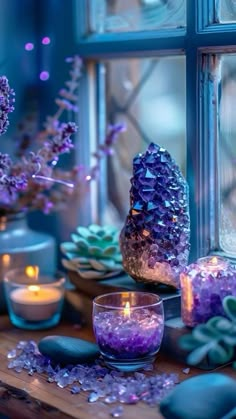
{"points": [[148, 95], [227, 10], [144, 48], [227, 153], [136, 15]]}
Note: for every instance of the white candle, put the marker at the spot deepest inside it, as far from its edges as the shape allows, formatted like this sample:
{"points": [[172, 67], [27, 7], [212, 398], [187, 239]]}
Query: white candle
{"points": [[35, 302]]}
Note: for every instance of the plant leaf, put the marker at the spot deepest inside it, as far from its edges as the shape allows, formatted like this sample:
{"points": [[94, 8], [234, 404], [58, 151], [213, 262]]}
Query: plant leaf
{"points": [[205, 334], [95, 251], [199, 353], [229, 304], [220, 355], [110, 251], [220, 323], [83, 231]]}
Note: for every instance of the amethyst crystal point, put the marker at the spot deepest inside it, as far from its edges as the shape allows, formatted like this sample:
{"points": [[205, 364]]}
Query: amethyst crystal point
{"points": [[155, 238]]}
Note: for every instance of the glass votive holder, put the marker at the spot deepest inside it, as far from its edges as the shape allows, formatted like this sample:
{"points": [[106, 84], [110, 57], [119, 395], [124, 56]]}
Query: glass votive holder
{"points": [[204, 284], [34, 299], [128, 327]]}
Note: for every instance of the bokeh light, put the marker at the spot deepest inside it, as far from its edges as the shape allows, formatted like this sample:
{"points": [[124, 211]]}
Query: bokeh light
{"points": [[46, 40], [29, 46], [44, 75]]}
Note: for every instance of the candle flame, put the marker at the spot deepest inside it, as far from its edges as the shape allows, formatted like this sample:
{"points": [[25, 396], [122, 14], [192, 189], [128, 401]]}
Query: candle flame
{"points": [[34, 288], [127, 309], [214, 260], [6, 260], [32, 272]]}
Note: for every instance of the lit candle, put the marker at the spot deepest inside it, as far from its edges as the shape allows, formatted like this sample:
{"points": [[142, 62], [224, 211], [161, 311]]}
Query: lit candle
{"points": [[204, 285], [128, 330], [35, 303], [34, 300]]}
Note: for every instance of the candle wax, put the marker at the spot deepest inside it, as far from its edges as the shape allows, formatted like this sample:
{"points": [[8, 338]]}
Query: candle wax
{"points": [[35, 306], [128, 337]]}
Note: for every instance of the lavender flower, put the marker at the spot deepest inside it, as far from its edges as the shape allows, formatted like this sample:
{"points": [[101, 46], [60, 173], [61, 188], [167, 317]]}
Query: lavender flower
{"points": [[33, 181], [6, 103]]}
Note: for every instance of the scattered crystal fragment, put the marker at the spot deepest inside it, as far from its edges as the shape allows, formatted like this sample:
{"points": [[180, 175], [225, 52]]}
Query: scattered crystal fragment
{"points": [[117, 412], [113, 386], [75, 390], [93, 397], [186, 370], [11, 354]]}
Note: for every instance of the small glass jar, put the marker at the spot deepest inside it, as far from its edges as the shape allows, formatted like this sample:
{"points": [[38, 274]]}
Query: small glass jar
{"points": [[204, 284], [128, 327], [34, 299]]}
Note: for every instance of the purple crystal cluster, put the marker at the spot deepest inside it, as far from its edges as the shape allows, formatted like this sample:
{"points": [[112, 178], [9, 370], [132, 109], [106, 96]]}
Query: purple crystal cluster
{"points": [[6, 103], [203, 288], [110, 386], [128, 337], [155, 238]]}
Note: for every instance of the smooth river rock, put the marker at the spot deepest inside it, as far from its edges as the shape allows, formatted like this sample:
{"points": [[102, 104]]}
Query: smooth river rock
{"points": [[66, 350], [208, 396]]}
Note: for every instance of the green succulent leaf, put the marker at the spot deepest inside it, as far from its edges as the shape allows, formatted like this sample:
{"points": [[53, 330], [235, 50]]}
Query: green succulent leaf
{"points": [[220, 323], [94, 228], [229, 304], [110, 251], [82, 245], [95, 251], [68, 247], [205, 334], [230, 339], [220, 355], [196, 356], [83, 231]]}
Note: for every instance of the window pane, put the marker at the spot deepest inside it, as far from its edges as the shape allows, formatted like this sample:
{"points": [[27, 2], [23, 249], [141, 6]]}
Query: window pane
{"points": [[226, 10], [136, 15], [227, 154], [149, 96]]}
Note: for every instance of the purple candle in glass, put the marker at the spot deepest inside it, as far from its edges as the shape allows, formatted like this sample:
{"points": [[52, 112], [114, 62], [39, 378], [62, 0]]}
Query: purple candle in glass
{"points": [[128, 327], [204, 285]]}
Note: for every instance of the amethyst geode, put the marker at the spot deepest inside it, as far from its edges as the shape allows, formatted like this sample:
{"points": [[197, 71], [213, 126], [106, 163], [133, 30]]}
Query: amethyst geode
{"points": [[155, 238]]}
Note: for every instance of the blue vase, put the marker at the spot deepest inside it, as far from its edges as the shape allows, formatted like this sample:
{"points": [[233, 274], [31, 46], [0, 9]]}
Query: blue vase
{"points": [[21, 246]]}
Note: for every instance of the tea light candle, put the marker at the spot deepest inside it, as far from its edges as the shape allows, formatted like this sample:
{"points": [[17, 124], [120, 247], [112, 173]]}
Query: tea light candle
{"points": [[35, 303], [204, 285], [34, 300], [128, 333]]}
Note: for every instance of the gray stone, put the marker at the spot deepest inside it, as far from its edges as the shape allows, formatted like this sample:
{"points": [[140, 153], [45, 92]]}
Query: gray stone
{"points": [[208, 396], [66, 350]]}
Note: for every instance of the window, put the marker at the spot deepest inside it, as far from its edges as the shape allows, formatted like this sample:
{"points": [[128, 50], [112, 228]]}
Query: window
{"points": [[168, 69]]}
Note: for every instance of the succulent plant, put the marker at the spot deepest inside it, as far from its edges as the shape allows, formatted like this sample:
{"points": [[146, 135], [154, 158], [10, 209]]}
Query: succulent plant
{"points": [[94, 252], [214, 340]]}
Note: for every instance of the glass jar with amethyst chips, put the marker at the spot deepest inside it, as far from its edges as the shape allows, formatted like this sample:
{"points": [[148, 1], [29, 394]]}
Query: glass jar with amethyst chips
{"points": [[128, 327], [204, 284]]}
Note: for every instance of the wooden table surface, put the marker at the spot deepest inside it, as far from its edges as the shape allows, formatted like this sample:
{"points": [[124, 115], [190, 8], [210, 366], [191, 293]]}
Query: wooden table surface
{"points": [[30, 397]]}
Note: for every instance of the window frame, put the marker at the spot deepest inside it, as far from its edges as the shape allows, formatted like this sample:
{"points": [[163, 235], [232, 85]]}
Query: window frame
{"points": [[202, 38]]}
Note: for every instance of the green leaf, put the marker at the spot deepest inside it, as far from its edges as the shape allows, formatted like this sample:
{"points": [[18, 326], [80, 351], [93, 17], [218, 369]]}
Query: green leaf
{"points": [[230, 339], [220, 323], [95, 251], [94, 228], [205, 334], [188, 342], [83, 231], [229, 304], [68, 247], [110, 251], [82, 245], [220, 355], [199, 354]]}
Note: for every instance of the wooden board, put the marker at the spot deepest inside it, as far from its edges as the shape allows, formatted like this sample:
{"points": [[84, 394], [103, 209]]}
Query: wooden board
{"points": [[26, 397]]}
